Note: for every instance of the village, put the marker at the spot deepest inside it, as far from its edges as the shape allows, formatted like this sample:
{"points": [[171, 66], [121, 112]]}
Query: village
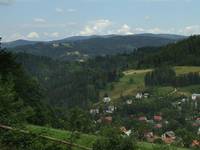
{"points": [[155, 126]]}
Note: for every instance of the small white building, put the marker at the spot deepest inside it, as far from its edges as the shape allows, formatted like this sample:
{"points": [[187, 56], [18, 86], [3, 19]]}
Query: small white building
{"points": [[198, 131], [128, 132], [146, 95], [183, 100], [110, 109], [139, 96], [94, 111], [106, 99], [195, 96], [129, 101]]}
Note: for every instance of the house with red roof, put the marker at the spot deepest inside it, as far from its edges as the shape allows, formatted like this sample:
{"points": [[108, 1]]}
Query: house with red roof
{"points": [[157, 118]]}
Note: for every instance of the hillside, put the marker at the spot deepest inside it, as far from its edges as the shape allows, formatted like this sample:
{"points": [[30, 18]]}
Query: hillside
{"points": [[185, 52], [18, 43], [84, 139], [80, 48], [133, 82]]}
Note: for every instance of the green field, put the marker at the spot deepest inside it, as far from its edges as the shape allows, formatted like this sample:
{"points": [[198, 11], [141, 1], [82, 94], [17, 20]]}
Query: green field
{"points": [[84, 139], [186, 69], [133, 81]]}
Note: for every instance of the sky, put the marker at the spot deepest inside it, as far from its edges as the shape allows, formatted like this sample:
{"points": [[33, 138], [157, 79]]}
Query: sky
{"points": [[57, 19]]}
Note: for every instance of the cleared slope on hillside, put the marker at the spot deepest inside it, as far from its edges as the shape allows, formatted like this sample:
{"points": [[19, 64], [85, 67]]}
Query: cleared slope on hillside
{"points": [[133, 81]]}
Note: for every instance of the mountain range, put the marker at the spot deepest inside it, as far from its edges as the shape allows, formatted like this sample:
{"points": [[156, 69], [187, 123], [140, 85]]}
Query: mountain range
{"points": [[82, 47]]}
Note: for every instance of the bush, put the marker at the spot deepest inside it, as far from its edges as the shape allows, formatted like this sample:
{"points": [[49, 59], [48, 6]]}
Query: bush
{"points": [[113, 140], [18, 141]]}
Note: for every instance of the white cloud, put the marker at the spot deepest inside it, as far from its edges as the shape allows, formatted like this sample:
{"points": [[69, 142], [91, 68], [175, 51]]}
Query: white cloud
{"points": [[33, 35], [6, 2], [39, 20], [155, 30], [71, 10], [96, 27], [190, 30], [125, 29], [14, 37], [52, 35], [55, 34], [139, 29], [59, 10]]}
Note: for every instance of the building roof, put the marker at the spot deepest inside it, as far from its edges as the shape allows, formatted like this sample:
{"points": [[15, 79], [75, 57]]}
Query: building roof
{"points": [[157, 118]]}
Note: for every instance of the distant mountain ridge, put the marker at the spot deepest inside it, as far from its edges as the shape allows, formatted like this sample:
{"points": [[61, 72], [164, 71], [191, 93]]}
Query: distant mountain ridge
{"points": [[83, 47], [22, 42]]}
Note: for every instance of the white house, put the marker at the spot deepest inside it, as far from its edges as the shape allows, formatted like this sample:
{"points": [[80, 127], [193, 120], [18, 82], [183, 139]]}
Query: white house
{"points": [[139, 96], [146, 95], [110, 109], [94, 111], [198, 131], [195, 96], [128, 133], [184, 100], [106, 99], [125, 131], [129, 101]]}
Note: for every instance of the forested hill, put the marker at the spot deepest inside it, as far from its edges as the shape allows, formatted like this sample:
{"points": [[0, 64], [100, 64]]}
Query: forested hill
{"points": [[186, 52], [96, 45], [59, 76]]}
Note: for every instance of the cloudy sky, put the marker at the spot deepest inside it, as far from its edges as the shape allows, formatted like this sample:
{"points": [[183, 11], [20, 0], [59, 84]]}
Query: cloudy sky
{"points": [[56, 19]]}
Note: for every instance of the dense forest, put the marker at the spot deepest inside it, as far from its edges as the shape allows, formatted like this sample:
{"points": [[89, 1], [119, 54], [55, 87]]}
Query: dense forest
{"points": [[185, 52]]}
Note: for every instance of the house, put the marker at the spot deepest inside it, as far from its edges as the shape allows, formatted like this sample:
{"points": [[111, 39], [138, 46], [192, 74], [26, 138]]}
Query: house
{"points": [[94, 111], [195, 97], [157, 118], [146, 95], [55, 45], [150, 121], [184, 100], [197, 121], [158, 126], [139, 96], [107, 120], [195, 143], [125, 131], [198, 133], [110, 109], [142, 118], [106, 99], [129, 102], [99, 120], [169, 137], [150, 137]]}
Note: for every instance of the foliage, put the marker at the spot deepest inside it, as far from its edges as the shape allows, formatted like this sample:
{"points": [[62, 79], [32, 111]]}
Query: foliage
{"points": [[160, 76], [114, 140], [18, 141]]}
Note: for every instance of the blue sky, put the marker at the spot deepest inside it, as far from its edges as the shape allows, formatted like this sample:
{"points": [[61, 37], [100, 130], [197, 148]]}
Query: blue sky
{"points": [[56, 19]]}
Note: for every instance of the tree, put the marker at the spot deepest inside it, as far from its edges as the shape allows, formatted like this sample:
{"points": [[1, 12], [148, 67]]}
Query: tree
{"points": [[160, 76], [113, 140], [12, 109]]}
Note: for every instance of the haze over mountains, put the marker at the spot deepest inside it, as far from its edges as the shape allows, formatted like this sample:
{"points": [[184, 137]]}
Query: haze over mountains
{"points": [[82, 47]]}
